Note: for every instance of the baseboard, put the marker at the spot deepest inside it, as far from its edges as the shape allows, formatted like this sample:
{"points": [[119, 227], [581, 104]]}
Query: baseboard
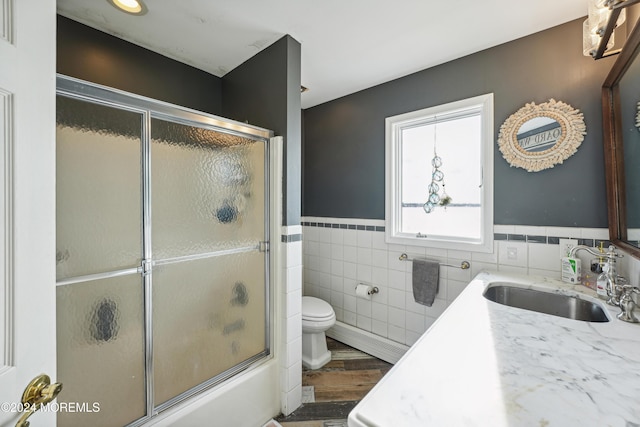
{"points": [[375, 345]]}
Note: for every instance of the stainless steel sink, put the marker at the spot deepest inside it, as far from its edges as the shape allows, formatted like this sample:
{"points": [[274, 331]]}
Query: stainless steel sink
{"points": [[567, 306]]}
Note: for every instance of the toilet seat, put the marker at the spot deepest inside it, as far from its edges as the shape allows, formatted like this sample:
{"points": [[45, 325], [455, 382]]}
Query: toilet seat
{"points": [[316, 310]]}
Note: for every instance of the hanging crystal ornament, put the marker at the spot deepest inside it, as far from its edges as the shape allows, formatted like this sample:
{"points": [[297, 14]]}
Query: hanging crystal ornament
{"points": [[444, 198], [435, 199], [428, 207]]}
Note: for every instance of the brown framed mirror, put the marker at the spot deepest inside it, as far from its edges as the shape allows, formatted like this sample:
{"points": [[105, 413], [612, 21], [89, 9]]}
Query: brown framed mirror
{"points": [[620, 98]]}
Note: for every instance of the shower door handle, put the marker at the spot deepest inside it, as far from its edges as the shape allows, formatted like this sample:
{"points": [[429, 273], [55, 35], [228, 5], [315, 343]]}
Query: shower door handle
{"points": [[39, 392]]}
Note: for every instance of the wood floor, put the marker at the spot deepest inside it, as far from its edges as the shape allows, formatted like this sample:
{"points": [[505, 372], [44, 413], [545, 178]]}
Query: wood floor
{"points": [[331, 392]]}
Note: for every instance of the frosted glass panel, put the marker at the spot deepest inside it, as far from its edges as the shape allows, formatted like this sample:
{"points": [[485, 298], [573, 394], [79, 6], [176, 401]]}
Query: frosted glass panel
{"points": [[98, 188], [208, 315], [207, 190], [100, 343], [207, 194]]}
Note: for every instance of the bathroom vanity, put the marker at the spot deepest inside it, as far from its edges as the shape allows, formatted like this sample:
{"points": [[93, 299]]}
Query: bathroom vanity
{"points": [[484, 363]]}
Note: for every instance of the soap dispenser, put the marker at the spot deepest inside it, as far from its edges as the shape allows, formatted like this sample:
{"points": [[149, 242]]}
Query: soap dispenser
{"points": [[603, 268], [571, 269], [590, 275]]}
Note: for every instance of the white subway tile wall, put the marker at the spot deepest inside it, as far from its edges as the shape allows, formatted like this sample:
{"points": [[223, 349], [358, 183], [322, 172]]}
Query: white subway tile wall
{"points": [[291, 326], [339, 253]]}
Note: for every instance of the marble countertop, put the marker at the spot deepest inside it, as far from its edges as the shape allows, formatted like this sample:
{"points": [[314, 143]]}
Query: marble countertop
{"points": [[486, 364]]}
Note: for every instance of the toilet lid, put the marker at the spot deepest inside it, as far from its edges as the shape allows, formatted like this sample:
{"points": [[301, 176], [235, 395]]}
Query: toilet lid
{"points": [[315, 308]]}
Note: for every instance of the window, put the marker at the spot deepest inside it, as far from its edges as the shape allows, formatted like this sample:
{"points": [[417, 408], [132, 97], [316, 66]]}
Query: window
{"points": [[439, 173]]}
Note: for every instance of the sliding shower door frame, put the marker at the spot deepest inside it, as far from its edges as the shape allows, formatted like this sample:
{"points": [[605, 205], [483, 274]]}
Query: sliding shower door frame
{"points": [[153, 109]]}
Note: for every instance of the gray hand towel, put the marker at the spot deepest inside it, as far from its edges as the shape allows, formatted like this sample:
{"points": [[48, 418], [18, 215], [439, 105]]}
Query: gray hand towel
{"points": [[425, 281]]}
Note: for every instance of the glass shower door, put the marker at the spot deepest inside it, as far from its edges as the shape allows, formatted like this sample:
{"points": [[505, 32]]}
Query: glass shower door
{"points": [[162, 253], [100, 300], [208, 228]]}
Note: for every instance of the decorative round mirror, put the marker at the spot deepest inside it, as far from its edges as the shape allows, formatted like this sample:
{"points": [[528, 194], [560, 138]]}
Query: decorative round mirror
{"points": [[538, 137]]}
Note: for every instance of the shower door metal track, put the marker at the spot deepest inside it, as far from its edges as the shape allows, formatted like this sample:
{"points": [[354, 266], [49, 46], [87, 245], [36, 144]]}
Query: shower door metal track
{"points": [[151, 108], [90, 91]]}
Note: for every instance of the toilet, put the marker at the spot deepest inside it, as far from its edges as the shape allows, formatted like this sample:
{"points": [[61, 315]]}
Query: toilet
{"points": [[317, 317]]}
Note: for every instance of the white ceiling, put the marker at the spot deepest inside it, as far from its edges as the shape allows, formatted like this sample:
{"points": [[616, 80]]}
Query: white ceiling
{"points": [[347, 45]]}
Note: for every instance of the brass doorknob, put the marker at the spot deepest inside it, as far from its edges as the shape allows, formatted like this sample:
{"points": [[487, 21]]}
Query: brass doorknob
{"points": [[39, 392]]}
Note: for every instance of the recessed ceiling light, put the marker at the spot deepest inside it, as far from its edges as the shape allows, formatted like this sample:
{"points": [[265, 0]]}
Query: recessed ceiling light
{"points": [[134, 7]]}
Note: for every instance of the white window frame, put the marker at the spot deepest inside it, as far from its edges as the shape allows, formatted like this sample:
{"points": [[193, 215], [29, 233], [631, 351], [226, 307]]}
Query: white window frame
{"points": [[394, 126]]}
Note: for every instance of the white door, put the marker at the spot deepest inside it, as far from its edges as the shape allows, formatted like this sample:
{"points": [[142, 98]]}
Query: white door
{"points": [[27, 201]]}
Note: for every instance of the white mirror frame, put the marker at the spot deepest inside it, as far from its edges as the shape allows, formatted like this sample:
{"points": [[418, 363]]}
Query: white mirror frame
{"points": [[573, 130]]}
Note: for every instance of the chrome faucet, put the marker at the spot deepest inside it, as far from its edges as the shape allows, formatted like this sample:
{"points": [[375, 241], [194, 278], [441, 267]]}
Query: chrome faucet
{"points": [[612, 287], [619, 292], [627, 304]]}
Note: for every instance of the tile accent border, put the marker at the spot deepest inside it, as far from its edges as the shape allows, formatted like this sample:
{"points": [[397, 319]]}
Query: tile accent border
{"points": [[344, 226], [549, 240], [553, 238], [291, 233], [291, 238]]}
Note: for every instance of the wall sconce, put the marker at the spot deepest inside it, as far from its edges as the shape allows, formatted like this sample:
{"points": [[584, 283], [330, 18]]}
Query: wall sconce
{"points": [[597, 31]]}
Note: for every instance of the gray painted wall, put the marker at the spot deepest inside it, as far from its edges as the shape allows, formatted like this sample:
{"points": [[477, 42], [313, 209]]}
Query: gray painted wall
{"points": [[343, 164], [91, 55], [265, 91]]}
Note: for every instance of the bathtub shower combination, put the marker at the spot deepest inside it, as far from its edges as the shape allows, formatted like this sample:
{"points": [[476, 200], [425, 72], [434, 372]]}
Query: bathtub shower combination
{"points": [[162, 253]]}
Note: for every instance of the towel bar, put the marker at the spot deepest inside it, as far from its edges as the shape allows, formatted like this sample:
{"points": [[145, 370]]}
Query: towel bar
{"points": [[463, 265]]}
